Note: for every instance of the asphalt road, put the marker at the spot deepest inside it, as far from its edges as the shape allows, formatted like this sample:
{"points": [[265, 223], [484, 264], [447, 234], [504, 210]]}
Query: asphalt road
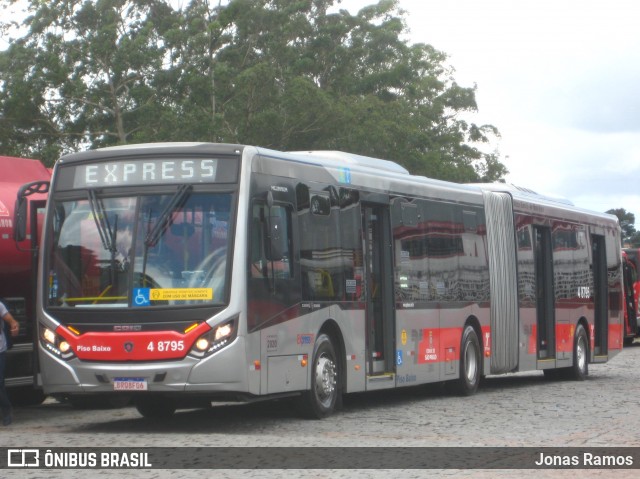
{"points": [[512, 410]]}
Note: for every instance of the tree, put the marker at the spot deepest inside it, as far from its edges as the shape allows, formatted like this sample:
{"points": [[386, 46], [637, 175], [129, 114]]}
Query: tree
{"points": [[634, 240], [82, 75], [627, 223], [284, 74]]}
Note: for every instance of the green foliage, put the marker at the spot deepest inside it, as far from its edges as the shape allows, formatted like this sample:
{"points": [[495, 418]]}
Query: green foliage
{"points": [[634, 240], [284, 74]]}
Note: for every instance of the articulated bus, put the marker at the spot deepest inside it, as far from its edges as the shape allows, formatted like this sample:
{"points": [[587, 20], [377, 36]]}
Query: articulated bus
{"points": [[185, 273]]}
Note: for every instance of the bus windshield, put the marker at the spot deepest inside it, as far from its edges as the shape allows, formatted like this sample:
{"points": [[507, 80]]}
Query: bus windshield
{"points": [[139, 251]]}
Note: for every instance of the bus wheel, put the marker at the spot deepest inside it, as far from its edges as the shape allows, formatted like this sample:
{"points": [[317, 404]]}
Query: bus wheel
{"points": [[155, 407], [580, 368], [320, 401], [470, 361]]}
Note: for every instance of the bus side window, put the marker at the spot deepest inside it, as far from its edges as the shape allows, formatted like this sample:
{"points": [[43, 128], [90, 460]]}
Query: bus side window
{"points": [[258, 268]]}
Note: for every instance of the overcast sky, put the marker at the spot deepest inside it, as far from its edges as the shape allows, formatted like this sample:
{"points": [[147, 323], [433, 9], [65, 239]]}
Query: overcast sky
{"points": [[560, 79]]}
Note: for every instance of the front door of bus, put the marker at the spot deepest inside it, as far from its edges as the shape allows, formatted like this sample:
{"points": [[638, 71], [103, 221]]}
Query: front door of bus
{"points": [[379, 289]]}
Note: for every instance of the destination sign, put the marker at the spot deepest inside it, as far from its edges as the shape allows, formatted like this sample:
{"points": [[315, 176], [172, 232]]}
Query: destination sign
{"points": [[126, 173], [148, 171]]}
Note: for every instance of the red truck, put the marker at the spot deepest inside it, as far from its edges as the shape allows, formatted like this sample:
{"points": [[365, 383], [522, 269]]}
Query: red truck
{"points": [[18, 266]]}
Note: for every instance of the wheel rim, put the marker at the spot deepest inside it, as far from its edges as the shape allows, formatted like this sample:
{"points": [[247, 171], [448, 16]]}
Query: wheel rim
{"points": [[471, 363], [325, 380], [581, 353]]}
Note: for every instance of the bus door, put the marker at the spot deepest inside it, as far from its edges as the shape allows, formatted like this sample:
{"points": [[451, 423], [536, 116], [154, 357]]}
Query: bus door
{"points": [[545, 298], [380, 317], [600, 295], [36, 221]]}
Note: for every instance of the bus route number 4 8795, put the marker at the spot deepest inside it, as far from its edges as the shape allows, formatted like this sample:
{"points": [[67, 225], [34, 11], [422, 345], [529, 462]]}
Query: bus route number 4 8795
{"points": [[165, 346]]}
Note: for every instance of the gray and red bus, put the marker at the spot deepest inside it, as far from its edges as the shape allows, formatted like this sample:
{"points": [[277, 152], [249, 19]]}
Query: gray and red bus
{"points": [[185, 273]]}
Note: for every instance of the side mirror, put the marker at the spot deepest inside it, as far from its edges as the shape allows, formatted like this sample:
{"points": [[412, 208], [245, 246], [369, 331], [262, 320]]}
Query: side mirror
{"points": [[21, 213], [20, 219]]}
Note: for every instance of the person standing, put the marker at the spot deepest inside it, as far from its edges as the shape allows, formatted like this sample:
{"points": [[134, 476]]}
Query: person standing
{"points": [[5, 404]]}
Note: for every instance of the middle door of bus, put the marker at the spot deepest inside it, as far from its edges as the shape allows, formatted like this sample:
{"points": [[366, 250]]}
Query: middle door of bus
{"points": [[380, 316], [545, 296]]}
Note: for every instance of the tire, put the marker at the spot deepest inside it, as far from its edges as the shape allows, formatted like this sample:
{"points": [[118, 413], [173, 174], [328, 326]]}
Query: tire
{"points": [[470, 364], [325, 392], [155, 407], [580, 368]]}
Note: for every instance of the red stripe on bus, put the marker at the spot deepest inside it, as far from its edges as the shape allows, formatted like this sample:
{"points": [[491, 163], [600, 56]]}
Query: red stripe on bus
{"points": [[132, 346]]}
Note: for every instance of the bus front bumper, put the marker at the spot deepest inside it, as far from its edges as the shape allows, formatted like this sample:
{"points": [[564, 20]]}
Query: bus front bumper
{"points": [[223, 371]]}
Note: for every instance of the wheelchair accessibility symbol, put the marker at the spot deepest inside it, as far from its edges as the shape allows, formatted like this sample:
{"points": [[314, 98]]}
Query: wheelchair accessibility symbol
{"points": [[141, 296]]}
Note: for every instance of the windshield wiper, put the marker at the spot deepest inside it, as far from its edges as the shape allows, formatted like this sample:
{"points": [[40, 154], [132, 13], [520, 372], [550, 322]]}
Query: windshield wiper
{"points": [[164, 220], [165, 217], [107, 234]]}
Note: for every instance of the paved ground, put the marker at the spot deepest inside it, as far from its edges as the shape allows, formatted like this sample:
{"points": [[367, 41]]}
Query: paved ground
{"points": [[512, 410]]}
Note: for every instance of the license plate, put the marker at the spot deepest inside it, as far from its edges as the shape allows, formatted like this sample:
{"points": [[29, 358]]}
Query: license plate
{"points": [[130, 384]]}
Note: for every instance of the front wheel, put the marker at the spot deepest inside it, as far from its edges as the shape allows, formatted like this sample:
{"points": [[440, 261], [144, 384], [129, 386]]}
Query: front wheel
{"points": [[580, 368], [320, 401], [470, 364]]}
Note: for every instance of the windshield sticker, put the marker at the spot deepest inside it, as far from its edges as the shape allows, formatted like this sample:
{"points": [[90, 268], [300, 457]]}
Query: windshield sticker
{"points": [[141, 297], [144, 296]]}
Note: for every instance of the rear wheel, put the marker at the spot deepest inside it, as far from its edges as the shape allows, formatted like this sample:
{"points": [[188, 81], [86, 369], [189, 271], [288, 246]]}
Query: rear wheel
{"points": [[320, 401], [580, 368], [470, 363]]}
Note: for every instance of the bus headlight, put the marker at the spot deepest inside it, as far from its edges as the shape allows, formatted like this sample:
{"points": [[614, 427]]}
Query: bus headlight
{"points": [[215, 340], [49, 336], [55, 344], [223, 331]]}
